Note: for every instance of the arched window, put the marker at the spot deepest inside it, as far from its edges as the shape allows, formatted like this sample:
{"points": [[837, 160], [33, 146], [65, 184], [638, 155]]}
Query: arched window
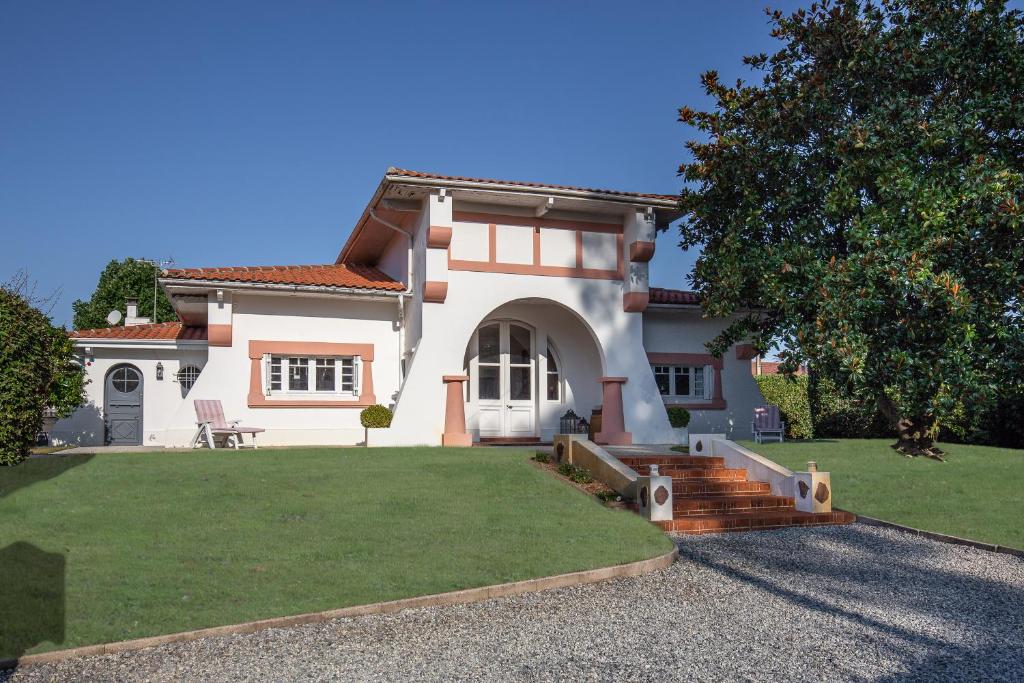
{"points": [[554, 378], [187, 376]]}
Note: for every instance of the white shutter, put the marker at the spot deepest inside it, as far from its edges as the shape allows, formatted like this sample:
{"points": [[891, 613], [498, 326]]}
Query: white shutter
{"points": [[266, 374], [709, 378], [357, 373]]}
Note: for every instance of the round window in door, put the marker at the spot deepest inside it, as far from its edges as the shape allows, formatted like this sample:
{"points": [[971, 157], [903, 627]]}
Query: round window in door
{"points": [[122, 406]]}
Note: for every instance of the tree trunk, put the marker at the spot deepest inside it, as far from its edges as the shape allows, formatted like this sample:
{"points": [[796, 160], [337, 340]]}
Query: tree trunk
{"points": [[914, 435]]}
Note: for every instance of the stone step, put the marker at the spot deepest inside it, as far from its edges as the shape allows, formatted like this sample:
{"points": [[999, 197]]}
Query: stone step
{"points": [[729, 504], [753, 521], [704, 488], [712, 474], [672, 461]]}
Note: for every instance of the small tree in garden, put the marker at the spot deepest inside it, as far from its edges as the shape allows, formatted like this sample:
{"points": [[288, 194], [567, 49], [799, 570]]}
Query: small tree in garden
{"points": [[120, 281], [866, 201], [37, 371]]}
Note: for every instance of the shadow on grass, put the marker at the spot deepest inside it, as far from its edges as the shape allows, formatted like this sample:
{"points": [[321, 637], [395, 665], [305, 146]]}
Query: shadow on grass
{"points": [[36, 469], [895, 596], [32, 599]]}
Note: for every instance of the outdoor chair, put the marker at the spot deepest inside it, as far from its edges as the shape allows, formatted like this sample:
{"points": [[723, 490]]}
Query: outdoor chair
{"points": [[768, 424], [213, 428]]}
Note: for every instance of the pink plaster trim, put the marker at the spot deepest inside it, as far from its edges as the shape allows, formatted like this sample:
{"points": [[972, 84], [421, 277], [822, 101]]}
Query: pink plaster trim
{"points": [[530, 221], [635, 302], [257, 348], [612, 380], [492, 265], [455, 412], [641, 252], [218, 335], [439, 237], [684, 359], [435, 291]]}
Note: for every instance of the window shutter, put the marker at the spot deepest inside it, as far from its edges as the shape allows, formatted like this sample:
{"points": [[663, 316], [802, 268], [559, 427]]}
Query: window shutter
{"points": [[266, 374], [357, 373], [709, 378]]}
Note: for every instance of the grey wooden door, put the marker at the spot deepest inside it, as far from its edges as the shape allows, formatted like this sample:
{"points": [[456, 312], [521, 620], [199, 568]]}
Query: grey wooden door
{"points": [[122, 408]]}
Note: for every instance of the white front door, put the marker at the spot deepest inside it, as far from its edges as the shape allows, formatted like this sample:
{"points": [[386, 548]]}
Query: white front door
{"points": [[505, 379]]}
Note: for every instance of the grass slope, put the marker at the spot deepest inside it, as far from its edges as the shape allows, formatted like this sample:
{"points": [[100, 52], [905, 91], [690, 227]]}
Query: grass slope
{"points": [[121, 546], [974, 494]]}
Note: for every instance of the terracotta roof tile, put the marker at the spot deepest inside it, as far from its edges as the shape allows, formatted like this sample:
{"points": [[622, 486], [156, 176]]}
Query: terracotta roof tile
{"points": [[334, 275], [674, 296], [437, 176], [175, 331]]}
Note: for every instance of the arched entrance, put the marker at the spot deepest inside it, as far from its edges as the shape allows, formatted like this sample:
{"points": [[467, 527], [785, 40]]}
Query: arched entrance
{"points": [[528, 362], [122, 406]]}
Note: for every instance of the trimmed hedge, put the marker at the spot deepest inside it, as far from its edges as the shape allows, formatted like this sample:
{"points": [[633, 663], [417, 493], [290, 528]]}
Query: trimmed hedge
{"points": [[678, 417], [837, 415], [375, 417], [790, 395]]}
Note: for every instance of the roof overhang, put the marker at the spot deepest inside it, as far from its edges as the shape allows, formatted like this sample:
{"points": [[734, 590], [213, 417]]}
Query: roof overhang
{"points": [[399, 198], [153, 344]]}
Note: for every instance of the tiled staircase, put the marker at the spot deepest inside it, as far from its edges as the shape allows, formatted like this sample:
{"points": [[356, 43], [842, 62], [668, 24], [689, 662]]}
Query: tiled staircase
{"points": [[707, 498]]}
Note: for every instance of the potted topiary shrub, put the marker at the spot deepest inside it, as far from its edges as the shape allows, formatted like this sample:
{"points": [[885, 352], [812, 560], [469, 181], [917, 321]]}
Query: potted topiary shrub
{"points": [[679, 418], [374, 417]]}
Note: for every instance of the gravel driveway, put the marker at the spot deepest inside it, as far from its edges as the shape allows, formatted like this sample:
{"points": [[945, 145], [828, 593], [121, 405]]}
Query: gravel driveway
{"points": [[832, 603]]}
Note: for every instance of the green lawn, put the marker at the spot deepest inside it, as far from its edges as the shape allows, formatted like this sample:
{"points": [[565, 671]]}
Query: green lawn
{"points": [[104, 548], [975, 494]]}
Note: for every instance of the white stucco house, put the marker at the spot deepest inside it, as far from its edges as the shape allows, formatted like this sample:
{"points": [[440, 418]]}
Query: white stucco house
{"points": [[475, 309]]}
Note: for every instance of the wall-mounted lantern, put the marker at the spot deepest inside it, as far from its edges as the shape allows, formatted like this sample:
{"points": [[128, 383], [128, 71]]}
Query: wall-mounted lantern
{"points": [[159, 371]]}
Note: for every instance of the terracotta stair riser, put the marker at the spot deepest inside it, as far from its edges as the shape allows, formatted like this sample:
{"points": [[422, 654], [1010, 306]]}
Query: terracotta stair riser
{"points": [[753, 521], [719, 474], [674, 461], [718, 506], [719, 488]]}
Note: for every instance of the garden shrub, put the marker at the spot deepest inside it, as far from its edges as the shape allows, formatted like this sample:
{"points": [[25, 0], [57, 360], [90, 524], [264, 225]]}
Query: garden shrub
{"points": [[790, 395], [837, 414], [541, 457], [678, 417], [37, 370], [375, 417]]}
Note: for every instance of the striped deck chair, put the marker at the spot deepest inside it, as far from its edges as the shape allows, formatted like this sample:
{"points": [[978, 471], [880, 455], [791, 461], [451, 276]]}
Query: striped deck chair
{"points": [[768, 423], [213, 428]]}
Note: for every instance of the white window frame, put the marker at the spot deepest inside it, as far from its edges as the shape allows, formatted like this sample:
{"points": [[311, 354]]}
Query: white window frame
{"points": [[559, 374], [178, 376], [700, 380], [347, 371]]}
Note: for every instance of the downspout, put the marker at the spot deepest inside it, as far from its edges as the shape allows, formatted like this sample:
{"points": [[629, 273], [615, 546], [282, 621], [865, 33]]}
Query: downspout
{"points": [[401, 297]]}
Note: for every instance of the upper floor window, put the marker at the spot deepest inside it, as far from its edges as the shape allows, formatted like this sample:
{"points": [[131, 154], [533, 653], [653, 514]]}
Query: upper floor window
{"points": [[311, 375], [680, 380]]}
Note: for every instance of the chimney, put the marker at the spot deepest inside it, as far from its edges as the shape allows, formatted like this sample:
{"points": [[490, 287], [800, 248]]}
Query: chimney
{"points": [[133, 314]]}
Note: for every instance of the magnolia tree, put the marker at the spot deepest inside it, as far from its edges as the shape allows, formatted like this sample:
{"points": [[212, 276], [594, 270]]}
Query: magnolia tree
{"points": [[861, 206]]}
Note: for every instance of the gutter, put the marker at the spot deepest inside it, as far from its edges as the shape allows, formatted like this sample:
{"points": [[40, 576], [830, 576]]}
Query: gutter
{"points": [[283, 288], [539, 191]]}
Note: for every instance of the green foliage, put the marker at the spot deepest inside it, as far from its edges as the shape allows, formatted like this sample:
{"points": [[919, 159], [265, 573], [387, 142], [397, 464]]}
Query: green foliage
{"points": [[375, 417], [678, 417], [37, 370], [120, 281], [866, 198], [836, 413], [790, 395], [541, 457], [577, 474]]}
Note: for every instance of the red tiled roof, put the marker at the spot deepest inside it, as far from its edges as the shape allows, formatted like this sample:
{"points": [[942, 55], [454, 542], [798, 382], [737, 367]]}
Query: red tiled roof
{"points": [[437, 176], [333, 275], [674, 296], [175, 331]]}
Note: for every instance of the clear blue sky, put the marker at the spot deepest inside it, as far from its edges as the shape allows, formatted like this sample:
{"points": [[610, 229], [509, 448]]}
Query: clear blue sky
{"points": [[247, 133]]}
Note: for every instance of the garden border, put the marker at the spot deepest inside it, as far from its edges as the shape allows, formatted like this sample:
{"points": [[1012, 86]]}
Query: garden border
{"points": [[935, 536], [459, 597]]}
